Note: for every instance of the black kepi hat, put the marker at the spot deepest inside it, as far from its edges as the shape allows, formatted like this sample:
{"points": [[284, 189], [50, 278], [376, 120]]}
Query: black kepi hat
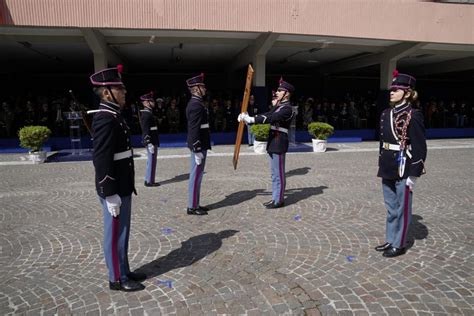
{"points": [[285, 86], [148, 96], [196, 81], [402, 81], [108, 77]]}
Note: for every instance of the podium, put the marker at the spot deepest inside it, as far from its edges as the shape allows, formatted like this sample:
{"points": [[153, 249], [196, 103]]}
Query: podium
{"points": [[75, 121]]}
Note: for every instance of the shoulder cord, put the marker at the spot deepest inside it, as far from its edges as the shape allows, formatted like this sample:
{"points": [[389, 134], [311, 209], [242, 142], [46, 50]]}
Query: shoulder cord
{"points": [[401, 125]]}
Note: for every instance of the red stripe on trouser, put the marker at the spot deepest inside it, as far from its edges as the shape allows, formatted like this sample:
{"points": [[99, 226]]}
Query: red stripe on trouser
{"points": [[153, 166], [405, 215], [115, 261], [282, 178], [196, 179]]}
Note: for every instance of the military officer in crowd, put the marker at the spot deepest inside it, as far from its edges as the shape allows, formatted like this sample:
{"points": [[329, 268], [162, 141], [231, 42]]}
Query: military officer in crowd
{"points": [[114, 177], [150, 138], [279, 117], [401, 161], [198, 140]]}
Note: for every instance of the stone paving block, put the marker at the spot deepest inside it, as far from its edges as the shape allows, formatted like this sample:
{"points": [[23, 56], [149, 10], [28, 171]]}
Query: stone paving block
{"points": [[270, 264]]}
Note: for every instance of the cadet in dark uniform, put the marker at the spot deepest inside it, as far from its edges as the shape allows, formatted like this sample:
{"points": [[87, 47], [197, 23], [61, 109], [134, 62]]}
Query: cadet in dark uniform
{"points": [[199, 141], [114, 176], [401, 161], [279, 117], [150, 138]]}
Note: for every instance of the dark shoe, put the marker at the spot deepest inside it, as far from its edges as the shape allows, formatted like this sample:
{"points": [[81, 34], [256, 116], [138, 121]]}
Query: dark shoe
{"points": [[137, 276], [127, 286], [275, 205], [268, 203], [196, 211], [203, 208], [383, 247], [156, 184], [393, 252]]}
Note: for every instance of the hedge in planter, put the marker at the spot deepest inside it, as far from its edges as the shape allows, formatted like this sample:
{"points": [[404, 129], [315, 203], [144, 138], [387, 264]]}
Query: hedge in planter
{"points": [[33, 137], [320, 130], [261, 132]]}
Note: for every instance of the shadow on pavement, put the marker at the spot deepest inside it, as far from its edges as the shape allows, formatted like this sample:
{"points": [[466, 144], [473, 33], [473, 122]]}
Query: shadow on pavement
{"points": [[296, 195], [292, 196], [417, 230], [298, 172], [235, 198], [178, 178], [191, 251]]}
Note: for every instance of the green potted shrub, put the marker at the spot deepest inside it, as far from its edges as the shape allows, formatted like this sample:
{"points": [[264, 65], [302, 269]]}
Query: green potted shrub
{"points": [[320, 132], [33, 138], [261, 132]]}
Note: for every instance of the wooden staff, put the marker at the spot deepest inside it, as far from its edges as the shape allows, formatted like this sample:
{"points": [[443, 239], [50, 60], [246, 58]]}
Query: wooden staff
{"points": [[245, 103]]}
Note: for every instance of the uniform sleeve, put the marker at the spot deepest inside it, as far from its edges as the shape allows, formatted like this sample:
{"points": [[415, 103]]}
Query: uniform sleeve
{"points": [[282, 114], [146, 124], [104, 150], [416, 132], [194, 125]]}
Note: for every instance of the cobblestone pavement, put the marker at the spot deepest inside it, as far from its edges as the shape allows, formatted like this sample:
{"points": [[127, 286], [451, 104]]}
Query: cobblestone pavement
{"points": [[314, 256]]}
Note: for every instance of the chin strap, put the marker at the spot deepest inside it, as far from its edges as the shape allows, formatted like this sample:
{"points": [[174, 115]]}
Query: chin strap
{"points": [[113, 96]]}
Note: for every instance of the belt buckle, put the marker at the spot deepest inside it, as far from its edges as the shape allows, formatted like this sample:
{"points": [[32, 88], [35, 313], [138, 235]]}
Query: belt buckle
{"points": [[386, 146]]}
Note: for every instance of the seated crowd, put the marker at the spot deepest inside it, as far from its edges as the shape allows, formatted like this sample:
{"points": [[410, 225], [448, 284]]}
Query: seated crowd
{"points": [[349, 112]]}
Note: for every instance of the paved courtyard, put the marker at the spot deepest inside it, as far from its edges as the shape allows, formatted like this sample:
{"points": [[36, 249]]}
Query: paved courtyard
{"points": [[314, 256]]}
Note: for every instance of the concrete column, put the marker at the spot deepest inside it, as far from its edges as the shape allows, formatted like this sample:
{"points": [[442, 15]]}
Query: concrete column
{"points": [[100, 61], [387, 66], [259, 66], [102, 53]]}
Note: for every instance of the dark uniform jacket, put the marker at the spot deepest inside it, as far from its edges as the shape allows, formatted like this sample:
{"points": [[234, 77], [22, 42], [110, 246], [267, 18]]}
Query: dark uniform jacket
{"points": [[279, 118], [390, 134], [149, 128], [113, 156], [199, 137]]}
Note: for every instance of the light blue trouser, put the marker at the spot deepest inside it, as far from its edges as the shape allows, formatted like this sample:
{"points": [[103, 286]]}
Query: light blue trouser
{"points": [[195, 179], [250, 136], [116, 235], [151, 166], [277, 162], [398, 199]]}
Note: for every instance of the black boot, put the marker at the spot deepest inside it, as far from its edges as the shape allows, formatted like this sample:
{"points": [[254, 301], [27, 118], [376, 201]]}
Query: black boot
{"points": [[383, 247], [127, 286], [268, 203], [393, 252], [275, 205], [196, 211], [155, 184]]}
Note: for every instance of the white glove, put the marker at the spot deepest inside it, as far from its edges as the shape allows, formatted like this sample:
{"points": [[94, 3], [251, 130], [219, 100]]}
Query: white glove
{"points": [[113, 204], [198, 157], [239, 118], [411, 182], [151, 148], [247, 118]]}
